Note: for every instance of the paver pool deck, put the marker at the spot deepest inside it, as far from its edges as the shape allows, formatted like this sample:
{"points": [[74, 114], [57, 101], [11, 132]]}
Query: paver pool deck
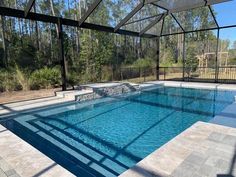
{"points": [[203, 150], [18, 158]]}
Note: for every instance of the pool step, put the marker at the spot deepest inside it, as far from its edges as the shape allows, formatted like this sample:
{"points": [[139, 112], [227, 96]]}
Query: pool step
{"points": [[80, 152], [73, 93]]}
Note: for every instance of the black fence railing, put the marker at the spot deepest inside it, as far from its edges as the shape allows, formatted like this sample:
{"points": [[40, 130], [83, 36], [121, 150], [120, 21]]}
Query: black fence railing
{"points": [[225, 74], [168, 73], [139, 75], [132, 74]]}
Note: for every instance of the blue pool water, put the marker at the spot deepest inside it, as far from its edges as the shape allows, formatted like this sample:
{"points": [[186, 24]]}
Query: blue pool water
{"points": [[107, 138]]}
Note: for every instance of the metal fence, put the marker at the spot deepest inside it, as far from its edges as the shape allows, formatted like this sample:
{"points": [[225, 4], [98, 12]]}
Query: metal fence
{"points": [[131, 74], [139, 75], [204, 74]]}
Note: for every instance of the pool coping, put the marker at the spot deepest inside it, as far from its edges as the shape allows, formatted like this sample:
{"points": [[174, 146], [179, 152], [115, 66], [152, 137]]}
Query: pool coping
{"points": [[196, 85]]}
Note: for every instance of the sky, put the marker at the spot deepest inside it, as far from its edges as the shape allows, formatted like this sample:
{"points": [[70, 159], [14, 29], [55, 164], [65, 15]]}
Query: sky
{"points": [[226, 15]]}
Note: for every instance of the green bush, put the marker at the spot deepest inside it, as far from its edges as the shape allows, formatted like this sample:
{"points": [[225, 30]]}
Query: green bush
{"points": [[106, 74], [22, 78], [8, 81], [45, 78], [90, 77], [73, 79], [144, 63]]}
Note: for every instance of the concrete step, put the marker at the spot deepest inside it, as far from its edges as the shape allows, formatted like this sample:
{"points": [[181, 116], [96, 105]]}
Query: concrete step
{"points": [[73, 93]]}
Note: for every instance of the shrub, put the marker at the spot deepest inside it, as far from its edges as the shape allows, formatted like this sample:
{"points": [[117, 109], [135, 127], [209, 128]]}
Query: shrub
{"points": [[144, 63], [45, 78], [106, 73], [22, 78], [86, 78], [73, 78], [8, 81]]}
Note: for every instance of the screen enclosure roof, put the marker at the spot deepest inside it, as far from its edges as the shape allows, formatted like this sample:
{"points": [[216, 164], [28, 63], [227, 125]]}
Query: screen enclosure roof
{"points": [[144, 18]]}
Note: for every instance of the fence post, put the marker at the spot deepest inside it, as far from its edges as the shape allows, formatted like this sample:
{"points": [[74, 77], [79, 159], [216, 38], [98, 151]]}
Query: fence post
{"points": [[144, 78], [164, 73], [184, 57], [130, 74], [158, 60], [216, 62], [139, 72]]}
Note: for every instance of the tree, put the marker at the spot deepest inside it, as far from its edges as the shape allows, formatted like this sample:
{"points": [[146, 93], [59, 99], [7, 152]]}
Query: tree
{"points": [[191, 60], [234, 45]]}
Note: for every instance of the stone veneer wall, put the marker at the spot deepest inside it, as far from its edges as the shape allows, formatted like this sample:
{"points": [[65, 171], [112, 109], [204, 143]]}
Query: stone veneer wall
{"points": [[107, 91]]}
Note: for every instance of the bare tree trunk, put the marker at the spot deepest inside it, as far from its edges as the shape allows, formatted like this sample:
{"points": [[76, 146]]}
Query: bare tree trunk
{"points": [[37, 32], [50, 41], [53, 13], [30, 27], [77, 17], [5, 57]]}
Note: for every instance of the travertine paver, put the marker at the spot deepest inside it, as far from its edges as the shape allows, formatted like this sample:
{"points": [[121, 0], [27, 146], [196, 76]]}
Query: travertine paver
{"points": [[6, 170], [195, 85], [20, 158], [203, 150], [24, 106]]}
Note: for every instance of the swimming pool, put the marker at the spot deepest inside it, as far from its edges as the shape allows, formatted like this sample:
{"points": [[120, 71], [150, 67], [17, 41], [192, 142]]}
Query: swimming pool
{"points": [[108, 136]]}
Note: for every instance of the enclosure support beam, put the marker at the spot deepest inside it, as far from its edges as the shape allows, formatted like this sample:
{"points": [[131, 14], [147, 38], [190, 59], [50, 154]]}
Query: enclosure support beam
{"points": [[162, 26], [89, 11], [213, 15], [208, 29], [5, 11], [62, 54], [29, 7], [139, 20], [216, 61], [129, 16], [151, 24], [184, 55], [177, 22], [158, 59], [150, 1], [163, 8]]}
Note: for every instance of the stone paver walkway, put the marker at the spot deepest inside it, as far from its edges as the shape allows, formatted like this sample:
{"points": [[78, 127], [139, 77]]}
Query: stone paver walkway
{"points": [[203, 150], [6, 170]]}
